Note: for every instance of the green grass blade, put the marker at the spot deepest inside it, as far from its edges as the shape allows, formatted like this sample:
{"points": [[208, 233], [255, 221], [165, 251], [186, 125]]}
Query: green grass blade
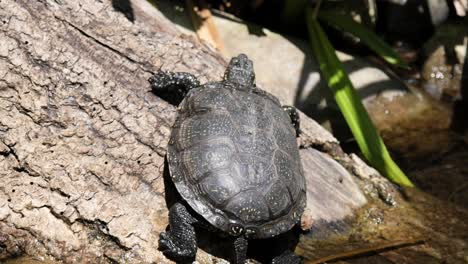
{"points": [[351, 106], [347, 24]]}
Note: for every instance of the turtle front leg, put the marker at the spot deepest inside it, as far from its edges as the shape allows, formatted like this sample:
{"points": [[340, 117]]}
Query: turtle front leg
{"points": [[294, 115], [180, 243], [173, 86], [288, 257]]}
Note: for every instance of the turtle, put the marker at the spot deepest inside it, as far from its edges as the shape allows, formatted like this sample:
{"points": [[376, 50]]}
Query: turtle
{"points": [[234, 160]]}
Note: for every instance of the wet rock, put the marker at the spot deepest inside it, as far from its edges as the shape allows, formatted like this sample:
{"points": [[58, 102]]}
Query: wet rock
{"points": [[442, 78], [439, 11], [445, 55], [413, 125]]}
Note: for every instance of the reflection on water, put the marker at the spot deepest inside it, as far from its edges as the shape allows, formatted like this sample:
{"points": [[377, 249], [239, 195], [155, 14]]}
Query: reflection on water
{"points": [[413, 125], [418, 132]]}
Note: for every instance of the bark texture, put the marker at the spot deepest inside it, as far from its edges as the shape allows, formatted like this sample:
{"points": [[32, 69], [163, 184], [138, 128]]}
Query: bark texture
{"points": [[83, 139]]}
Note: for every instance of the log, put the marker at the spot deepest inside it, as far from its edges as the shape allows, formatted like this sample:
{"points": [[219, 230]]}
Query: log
{"points": [[83, 138]]}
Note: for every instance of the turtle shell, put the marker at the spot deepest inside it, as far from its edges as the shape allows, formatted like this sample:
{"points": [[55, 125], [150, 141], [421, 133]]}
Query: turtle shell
{"points": [[233, 157]]}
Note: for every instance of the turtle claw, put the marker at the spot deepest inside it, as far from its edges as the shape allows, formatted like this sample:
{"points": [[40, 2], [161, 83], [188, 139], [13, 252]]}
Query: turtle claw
{"points": [[165, 243], [174, 249]]}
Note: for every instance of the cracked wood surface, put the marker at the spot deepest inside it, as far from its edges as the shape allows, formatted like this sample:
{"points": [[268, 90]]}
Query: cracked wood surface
{"points": [[83, 140]]}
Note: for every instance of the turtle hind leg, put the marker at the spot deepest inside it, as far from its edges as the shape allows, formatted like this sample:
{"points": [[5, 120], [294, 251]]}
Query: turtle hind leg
{"points": [[288, 257], [173, 86], [180, 242], [294, 116], [240, 250]]}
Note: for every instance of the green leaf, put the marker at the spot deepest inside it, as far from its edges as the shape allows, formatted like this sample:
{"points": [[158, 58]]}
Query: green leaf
{"points": [[347, 24], [351, 106]]}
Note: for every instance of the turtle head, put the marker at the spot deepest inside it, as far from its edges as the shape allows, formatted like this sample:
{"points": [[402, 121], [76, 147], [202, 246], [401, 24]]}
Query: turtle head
{"points": [[240, 71]]}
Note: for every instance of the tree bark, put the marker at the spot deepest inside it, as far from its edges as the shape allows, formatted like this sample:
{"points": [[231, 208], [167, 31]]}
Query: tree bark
{"points": [[83, 139]]}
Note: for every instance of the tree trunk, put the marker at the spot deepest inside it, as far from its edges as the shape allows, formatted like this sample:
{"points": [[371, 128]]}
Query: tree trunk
{"points": [[83, 139]]}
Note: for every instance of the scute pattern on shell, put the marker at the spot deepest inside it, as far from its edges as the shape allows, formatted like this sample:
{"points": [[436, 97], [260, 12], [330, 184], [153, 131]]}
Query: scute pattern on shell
{"points": [[233, 157]]}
